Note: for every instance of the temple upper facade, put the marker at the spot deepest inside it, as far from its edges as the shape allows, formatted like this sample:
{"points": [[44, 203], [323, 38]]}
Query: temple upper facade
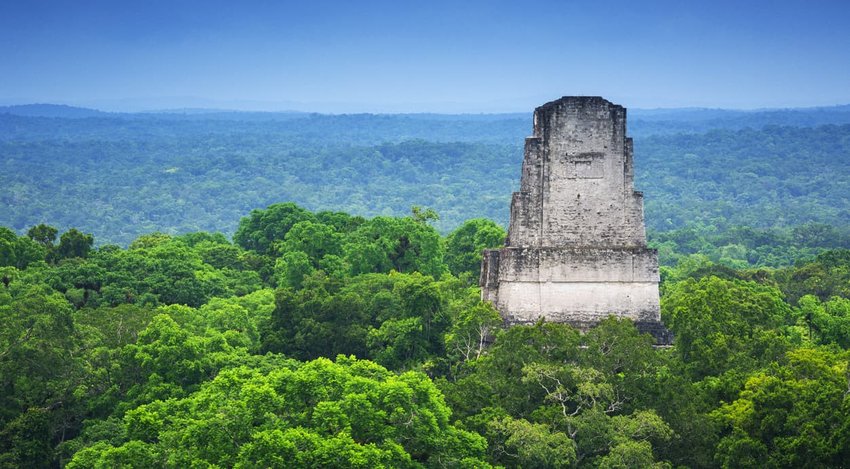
{"points": [[576, 247]]}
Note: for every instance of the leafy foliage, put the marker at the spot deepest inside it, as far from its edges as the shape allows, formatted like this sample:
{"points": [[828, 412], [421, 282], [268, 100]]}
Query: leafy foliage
{"points": [[465, 245], [347, 413], [791, 416], [122, 176], [190, 350]]}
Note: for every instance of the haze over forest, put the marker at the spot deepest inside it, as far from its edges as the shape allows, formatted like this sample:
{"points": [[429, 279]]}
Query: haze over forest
{"points": [[249, 234], [121, 175]]}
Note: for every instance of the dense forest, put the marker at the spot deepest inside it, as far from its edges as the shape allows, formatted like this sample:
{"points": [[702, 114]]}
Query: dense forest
{"points": [[322, 339], [153, 316], [705, 173]]}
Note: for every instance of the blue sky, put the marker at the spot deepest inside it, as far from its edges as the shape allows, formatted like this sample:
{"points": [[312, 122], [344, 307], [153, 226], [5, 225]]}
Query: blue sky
{"points": [[423, 56]]}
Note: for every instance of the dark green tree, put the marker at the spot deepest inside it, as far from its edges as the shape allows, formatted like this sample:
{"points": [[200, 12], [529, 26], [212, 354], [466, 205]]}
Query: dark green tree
{"points": [[43, 234], [73, 243], [347, 413], [722, 325], [19, 251], [465, 244], [796, 415], [260, 230]]}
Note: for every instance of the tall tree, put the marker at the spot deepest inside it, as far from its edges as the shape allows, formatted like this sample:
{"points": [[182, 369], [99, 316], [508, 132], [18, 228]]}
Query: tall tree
{"points": [[73, 243], [43, 234], [465, 245]]}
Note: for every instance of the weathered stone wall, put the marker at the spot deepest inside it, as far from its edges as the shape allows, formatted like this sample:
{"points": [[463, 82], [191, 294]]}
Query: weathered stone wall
{"points": [[577, 265], [576, 249], [577, 179], [577, 285]]}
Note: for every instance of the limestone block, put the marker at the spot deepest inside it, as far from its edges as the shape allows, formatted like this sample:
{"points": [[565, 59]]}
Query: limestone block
{"points": [[576, 247]]}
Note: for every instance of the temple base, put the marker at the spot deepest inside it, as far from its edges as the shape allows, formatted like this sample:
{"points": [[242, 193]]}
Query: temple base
{"points": [[576, 286]]}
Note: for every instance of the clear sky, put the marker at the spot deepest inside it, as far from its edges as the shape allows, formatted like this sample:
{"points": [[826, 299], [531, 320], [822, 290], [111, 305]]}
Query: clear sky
{"points": [[423, 56]]}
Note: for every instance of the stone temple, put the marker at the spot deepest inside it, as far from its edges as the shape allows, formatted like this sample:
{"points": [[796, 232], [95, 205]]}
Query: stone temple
{"points": [[576, 248]]}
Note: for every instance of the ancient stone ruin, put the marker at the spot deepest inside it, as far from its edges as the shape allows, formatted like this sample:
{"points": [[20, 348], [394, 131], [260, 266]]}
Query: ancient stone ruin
{"points": [[576, 248]]}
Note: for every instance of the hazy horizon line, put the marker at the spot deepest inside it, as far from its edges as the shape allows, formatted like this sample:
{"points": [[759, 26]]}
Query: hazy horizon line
{"points": [[204, 105]]}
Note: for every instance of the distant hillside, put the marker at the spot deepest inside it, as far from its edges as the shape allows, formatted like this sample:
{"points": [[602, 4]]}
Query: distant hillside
{"points": [[773, 177], [669, 121], [120, 176], [373, 128], [320, 129], [51, 110]]}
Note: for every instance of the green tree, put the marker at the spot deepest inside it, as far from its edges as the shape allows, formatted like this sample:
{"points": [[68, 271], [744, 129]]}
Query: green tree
{"points": [[465, 245], [495, 381], [826, 322], [826, 276], [538, 385], [423, 216], [19, 251], [532, 445], [291, 269], [470, 332], [721, 325], [40, 371], [73, 243], [221, 255], [345, 414], [316, 240], [263, 228], [796, 415], [44, 235], [401, 244], [399, 320]]}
